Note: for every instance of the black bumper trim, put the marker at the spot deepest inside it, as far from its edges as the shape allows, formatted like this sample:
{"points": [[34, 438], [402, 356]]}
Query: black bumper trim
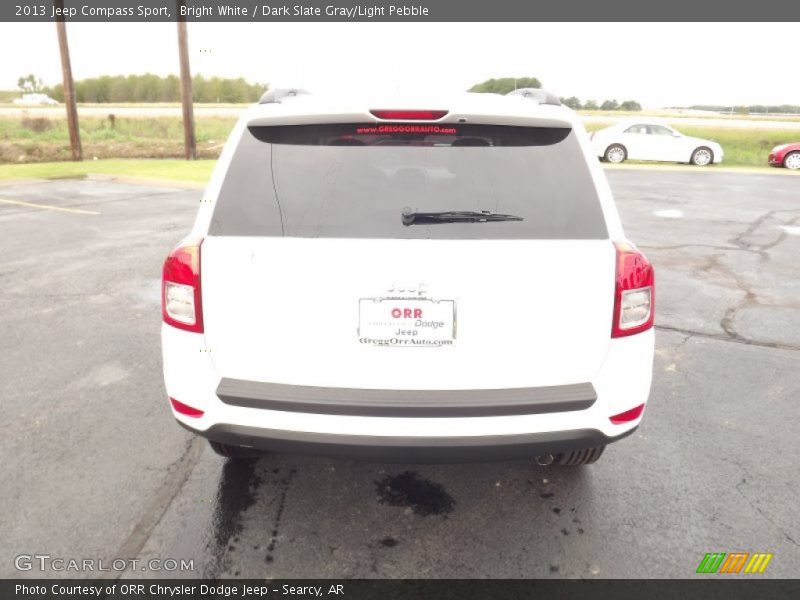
{"points": [[406, 403], [409, 449]]}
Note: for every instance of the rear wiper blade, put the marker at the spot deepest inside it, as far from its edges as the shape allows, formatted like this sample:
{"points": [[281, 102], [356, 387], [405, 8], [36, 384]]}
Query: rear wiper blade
{"points": [[412, 217]]}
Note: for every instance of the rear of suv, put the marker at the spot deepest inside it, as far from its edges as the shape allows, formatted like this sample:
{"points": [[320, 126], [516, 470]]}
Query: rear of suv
{"points": [[409, 280]]}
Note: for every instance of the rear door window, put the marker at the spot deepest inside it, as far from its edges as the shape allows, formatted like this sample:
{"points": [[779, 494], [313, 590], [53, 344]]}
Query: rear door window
{"points": [[638, 129], [359, 180], [659, 130]]}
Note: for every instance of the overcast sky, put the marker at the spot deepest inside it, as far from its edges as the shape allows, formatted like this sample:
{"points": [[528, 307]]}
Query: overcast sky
{"points": [[658, 64]]}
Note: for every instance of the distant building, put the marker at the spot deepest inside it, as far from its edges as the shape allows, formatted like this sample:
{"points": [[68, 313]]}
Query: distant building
{"points": [[35, 99]]}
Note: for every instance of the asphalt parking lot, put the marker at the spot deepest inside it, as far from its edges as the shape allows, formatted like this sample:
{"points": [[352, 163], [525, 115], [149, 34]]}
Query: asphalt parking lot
{"points": [[94, 466]]}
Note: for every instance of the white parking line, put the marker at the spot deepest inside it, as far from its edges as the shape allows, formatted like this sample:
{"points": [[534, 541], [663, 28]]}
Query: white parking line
{"points": [[49, 207], [669, 213], [791, 229]]}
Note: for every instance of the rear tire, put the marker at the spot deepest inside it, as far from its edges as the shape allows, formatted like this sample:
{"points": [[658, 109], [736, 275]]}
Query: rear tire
{"points": [[615, 154], [234, 452], [702, 157], [587, 456], [792, 161]]}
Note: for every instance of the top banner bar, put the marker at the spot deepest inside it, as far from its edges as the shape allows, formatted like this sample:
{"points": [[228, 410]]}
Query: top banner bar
{"points": [[412, 11]]}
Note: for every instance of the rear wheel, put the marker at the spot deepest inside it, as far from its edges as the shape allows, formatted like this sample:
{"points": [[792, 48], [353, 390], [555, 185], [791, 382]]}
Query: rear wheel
{"points": [[702, 156], [586, 456], [616, 153], [234, 452], [792, 161]]}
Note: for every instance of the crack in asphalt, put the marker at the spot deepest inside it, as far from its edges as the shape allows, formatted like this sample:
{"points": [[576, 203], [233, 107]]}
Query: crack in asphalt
{"points": [[739, 240], [750, 298], [683, 342], [726, 338], [682, 246], [755, 508], [176, 476], [761, 249]]}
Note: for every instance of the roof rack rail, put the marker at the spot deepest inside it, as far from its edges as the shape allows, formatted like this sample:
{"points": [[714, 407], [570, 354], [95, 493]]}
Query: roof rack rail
{"points": [[274, 96], [539, 95]]}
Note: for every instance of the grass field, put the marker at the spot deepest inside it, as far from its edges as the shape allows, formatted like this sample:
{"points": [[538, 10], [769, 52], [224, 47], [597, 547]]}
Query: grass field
{"points": [[38, 139]]}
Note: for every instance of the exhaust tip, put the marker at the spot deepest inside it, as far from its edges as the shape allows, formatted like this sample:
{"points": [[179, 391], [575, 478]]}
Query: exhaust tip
{"points": [[545, 460]]}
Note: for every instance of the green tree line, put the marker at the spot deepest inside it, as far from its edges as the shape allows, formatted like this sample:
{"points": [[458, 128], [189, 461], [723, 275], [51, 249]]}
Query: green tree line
{"points": [[152, 88], [575, 104], [505, 85]]}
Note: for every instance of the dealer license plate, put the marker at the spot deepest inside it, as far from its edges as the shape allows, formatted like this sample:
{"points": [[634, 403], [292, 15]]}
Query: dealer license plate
{"points": [[409, 322]]}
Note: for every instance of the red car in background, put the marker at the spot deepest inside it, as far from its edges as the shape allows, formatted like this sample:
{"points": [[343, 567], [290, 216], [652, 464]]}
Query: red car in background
{"points": [[786, 155]]}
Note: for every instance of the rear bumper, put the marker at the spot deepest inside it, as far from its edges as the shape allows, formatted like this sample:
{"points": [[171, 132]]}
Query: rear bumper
{"points": [[409, 449], [406, 403], [438, 425]]}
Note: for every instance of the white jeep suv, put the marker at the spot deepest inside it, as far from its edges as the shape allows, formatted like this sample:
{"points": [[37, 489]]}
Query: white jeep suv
{"points": [[415, 280]]}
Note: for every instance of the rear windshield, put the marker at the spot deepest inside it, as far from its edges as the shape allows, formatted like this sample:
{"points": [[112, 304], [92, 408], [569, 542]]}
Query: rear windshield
{"points": [[409, 181]]}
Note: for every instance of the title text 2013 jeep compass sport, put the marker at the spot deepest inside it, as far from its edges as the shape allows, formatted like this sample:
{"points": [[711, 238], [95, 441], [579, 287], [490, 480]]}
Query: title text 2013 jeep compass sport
{"points": [[412, 280]]}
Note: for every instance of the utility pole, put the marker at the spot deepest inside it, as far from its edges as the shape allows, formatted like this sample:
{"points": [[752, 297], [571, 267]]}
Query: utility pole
{"points": [[189, 142], [69, 86]]}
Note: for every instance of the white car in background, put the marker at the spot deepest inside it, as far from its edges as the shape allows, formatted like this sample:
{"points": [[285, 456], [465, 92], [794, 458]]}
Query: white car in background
{"points": [[36, 99], [646, 140]]}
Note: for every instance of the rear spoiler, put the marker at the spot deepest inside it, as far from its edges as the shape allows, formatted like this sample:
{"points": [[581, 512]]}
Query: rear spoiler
{"points": [[295, 106]]}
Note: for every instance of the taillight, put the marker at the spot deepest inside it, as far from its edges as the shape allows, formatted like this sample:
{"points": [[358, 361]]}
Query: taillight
{"points": [[628, 415], [634, 296], [409, 115], [180, 288], [185, 409]]}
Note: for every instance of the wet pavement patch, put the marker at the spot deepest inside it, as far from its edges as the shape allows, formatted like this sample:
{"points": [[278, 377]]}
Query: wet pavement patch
{"points": [[422, 496], [236, 493], [285, 483]]}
